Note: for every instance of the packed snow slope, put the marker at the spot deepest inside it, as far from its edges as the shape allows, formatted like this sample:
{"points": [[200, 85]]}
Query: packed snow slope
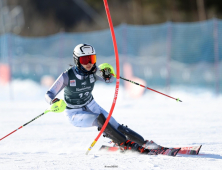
{"points": [[51, 142]]}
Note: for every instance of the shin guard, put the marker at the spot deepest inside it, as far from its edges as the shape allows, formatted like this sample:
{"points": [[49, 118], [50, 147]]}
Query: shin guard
{"points": [[110, 131]]}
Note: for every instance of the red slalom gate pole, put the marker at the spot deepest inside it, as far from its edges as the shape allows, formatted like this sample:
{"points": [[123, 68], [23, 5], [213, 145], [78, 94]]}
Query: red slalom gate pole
{"points": [[117, 74], [150, 89]]}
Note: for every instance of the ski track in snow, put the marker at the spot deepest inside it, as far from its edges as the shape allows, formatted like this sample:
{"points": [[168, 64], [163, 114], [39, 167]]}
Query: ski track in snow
{"points": [[50, 142]]}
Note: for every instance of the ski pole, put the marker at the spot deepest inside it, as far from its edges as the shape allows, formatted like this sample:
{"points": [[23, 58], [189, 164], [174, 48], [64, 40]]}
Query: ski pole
{"points": [[105, 66], [150, 89], [56, 107]]}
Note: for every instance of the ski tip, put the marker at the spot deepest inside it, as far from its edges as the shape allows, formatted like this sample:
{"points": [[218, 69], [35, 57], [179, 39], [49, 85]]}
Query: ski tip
{"points": [[199, 149]]}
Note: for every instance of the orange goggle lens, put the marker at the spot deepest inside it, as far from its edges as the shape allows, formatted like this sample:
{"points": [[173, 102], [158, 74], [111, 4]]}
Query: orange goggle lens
{"points": [[87, 59]]}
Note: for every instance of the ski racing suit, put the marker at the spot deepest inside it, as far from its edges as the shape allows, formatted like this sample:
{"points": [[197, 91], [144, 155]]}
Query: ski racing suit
{"points": [[82, 110]]}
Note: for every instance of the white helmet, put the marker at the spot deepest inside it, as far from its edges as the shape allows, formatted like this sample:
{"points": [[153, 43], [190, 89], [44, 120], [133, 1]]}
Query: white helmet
{"points": [[83, 50]]}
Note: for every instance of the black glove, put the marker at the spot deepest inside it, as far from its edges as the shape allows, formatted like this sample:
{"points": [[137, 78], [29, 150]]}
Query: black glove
{"points": [[55, 100], [105, 73]]}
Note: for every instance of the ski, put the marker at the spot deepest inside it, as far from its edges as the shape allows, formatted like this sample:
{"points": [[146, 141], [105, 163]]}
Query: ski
{"points": [[165, 151], [162, 151], [190, 150], [151, 145]]}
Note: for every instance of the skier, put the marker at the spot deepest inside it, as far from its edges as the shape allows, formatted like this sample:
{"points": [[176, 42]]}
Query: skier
{"points": [[82, 110]]}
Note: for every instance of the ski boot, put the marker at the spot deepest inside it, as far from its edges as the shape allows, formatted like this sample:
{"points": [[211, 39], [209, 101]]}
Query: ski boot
{"points": [[133, 136], [130, 145], [120, 139]]}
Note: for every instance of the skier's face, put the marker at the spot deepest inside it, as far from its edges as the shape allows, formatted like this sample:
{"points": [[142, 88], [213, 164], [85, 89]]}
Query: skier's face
{"points": [[88, 66]]}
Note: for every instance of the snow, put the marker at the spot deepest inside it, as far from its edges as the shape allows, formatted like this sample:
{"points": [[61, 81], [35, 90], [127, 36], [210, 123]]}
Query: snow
{"points": [[50, 142]]}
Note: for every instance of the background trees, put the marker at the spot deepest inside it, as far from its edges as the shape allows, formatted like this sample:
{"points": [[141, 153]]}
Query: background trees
{"points": [[51, 16]]}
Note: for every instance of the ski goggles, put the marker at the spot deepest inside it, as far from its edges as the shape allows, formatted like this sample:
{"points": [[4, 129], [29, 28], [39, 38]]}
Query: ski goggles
{"points": [[87, 59]]}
